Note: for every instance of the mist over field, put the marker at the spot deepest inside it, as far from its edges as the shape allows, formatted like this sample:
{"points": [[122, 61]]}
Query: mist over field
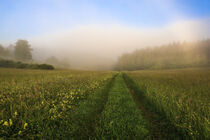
{"points": [[96, 44], [94, 34], [105, 69]]}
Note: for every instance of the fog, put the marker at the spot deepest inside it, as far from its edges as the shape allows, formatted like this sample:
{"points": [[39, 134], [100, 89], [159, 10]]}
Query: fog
{"points": [[94, 34], [90, 46]]}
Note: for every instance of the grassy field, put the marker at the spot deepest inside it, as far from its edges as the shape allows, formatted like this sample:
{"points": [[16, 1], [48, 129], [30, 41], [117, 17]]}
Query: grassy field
{"points": [[37, 103], [62, 104], [181, 96]]}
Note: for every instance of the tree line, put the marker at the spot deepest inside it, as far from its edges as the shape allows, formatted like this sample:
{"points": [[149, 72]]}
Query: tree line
{"points": [[20, 56], [21, 51], [174, 55]]}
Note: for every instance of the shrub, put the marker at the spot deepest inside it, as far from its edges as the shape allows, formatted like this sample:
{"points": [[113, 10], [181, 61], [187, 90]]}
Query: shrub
{"points": [[21, 65]]}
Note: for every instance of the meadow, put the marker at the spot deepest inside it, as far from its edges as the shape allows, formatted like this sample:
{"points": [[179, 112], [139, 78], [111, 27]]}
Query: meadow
{"points": [[181, 97], [35, 103], [74, 104]]}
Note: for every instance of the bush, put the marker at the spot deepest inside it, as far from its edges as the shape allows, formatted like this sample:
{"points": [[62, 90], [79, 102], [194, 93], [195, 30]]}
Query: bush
{"points": [[45, 66], [20, 65]]}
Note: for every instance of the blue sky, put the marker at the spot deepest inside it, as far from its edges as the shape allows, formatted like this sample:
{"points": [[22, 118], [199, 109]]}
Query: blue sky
{"points": [[24, 18]]}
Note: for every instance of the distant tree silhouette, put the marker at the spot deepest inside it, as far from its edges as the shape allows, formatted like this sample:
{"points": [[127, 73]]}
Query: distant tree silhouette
{"points": [[23, 50], [4, 52], [58, 63], [174, 55]]}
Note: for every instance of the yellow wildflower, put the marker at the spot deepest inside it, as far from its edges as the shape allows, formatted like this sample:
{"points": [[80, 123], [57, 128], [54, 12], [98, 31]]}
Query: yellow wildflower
{"points": [[6, 123], [19, 133], [10, 122], [16, 113], [25, 125]]}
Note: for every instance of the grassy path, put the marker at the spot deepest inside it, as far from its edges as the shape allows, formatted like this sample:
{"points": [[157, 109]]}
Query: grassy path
{"points": [[109, 114], [85, 118], [158, 125], [121, 118]]}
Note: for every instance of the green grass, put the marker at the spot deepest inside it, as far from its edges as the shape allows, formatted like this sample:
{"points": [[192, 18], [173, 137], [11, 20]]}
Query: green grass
{"points": [[182, 96], [62, 104], [37, 103], [83, 119], [121, 119]]}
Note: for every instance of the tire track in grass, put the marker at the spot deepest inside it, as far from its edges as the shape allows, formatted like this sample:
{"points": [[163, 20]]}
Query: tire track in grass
{"points": [[85, 117], [121, 118], [159, 126]]}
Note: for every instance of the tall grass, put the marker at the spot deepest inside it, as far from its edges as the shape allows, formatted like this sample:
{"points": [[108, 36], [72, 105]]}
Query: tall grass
{"points": [[38, 104], [181, 95]]}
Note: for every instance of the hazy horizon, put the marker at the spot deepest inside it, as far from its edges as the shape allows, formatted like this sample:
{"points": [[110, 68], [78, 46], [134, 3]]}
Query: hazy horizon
{"points": [[92, 33]]}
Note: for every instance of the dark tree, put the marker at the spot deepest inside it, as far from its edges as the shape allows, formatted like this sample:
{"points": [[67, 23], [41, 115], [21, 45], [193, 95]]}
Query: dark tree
{"points": [[23, 50]]}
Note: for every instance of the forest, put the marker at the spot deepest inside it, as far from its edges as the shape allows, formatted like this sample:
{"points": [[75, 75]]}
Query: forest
{"points": [[174, 55]]}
